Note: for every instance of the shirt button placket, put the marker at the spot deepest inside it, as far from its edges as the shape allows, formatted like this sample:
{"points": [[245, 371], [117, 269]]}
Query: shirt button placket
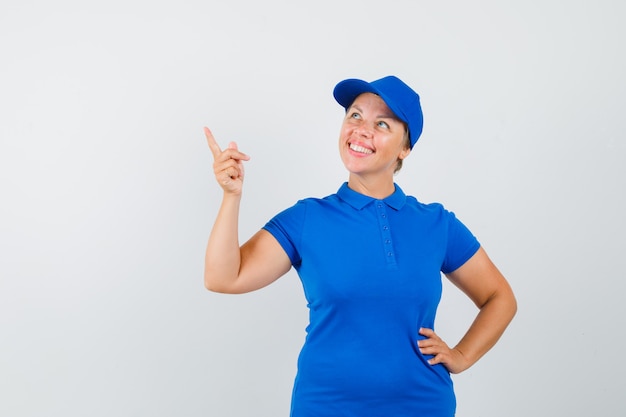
{"points": [[385, 234]]}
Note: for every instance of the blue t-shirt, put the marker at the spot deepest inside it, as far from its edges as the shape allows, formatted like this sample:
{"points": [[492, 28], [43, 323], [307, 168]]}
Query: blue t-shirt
{"points": [[371, 273]]}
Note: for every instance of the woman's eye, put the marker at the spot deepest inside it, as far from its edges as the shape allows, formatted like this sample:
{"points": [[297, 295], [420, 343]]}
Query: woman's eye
{"points": [[384, 125], [355, 116]]}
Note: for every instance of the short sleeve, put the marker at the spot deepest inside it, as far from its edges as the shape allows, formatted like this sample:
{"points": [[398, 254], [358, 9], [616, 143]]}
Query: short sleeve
{"points": [[286, 227], [461, 244]]}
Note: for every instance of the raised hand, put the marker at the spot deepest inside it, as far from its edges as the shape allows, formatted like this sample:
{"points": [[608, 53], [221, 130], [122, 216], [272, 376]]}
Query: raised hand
{"points": [[227, 164]]}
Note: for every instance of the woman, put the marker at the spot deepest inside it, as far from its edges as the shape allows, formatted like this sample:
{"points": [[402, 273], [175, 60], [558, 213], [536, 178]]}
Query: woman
{"points": [[370, 260]]}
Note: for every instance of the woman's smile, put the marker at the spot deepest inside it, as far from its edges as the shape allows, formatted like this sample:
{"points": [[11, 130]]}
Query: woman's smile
{"points": [[360, 149]]}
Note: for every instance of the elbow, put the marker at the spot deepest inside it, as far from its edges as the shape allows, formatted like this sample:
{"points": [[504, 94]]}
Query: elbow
{"points": [[212, 287], [509, 304], [513, 306], [211, 284], [504, 302], [218, 286], [512, 301]]}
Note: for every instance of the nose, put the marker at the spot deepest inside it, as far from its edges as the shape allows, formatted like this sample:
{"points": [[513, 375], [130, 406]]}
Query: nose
{"points": [[364, 131]]}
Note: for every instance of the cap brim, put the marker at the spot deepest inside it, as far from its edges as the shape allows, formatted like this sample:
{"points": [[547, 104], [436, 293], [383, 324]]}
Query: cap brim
{"points": [[347, 91]]}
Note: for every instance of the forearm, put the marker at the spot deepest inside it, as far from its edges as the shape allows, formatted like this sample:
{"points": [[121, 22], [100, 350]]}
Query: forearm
{"points": [[223, 256], [493, 318]]}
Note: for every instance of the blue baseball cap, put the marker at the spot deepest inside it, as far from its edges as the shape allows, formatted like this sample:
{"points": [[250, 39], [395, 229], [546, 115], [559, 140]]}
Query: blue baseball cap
{"points": [[399, 97]]}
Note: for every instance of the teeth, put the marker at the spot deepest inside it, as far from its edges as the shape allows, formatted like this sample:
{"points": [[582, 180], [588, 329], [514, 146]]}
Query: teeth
{"points": [[360, 149]]}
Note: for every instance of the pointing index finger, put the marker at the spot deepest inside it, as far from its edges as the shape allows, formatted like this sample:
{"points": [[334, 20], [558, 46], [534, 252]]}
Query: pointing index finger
{"points": [[215, 148]]}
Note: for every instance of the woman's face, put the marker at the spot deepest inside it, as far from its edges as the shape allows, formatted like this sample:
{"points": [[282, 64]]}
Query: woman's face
{"points": [[371, 138]]}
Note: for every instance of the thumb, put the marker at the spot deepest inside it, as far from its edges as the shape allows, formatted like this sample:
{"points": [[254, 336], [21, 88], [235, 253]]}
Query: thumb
{"points": [[233, 145]]}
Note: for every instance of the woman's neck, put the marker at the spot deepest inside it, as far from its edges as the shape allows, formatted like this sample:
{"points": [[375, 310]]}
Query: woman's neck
{"points": [[378, 188]]}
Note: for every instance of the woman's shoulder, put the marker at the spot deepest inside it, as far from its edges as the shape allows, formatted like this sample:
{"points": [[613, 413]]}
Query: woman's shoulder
{"points": [[312, 200], [433, 206], [304, 202]]}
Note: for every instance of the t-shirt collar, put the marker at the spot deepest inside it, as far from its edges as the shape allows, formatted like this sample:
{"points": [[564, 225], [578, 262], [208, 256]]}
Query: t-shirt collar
{"points": [[359, 201]]}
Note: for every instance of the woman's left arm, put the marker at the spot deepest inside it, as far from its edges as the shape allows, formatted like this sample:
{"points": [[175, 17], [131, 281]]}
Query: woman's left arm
{"points": [[488, 289]]}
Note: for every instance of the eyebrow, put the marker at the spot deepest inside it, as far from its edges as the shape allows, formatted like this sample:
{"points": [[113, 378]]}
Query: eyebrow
{"points": [[381, 116]]}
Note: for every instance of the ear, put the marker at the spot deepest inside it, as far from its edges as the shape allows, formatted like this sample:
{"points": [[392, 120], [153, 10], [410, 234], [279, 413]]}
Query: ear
{"points": [[405, 152]]}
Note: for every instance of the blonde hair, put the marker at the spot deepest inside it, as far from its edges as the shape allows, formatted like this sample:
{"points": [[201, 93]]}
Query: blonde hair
{"points": [[407, 144]]}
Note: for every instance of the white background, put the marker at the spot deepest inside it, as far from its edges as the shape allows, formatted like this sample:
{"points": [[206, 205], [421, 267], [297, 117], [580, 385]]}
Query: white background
{"points": [[107, 194]]}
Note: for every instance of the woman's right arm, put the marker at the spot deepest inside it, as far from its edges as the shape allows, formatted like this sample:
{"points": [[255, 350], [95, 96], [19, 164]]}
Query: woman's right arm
{"points": [[229, 267]]}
